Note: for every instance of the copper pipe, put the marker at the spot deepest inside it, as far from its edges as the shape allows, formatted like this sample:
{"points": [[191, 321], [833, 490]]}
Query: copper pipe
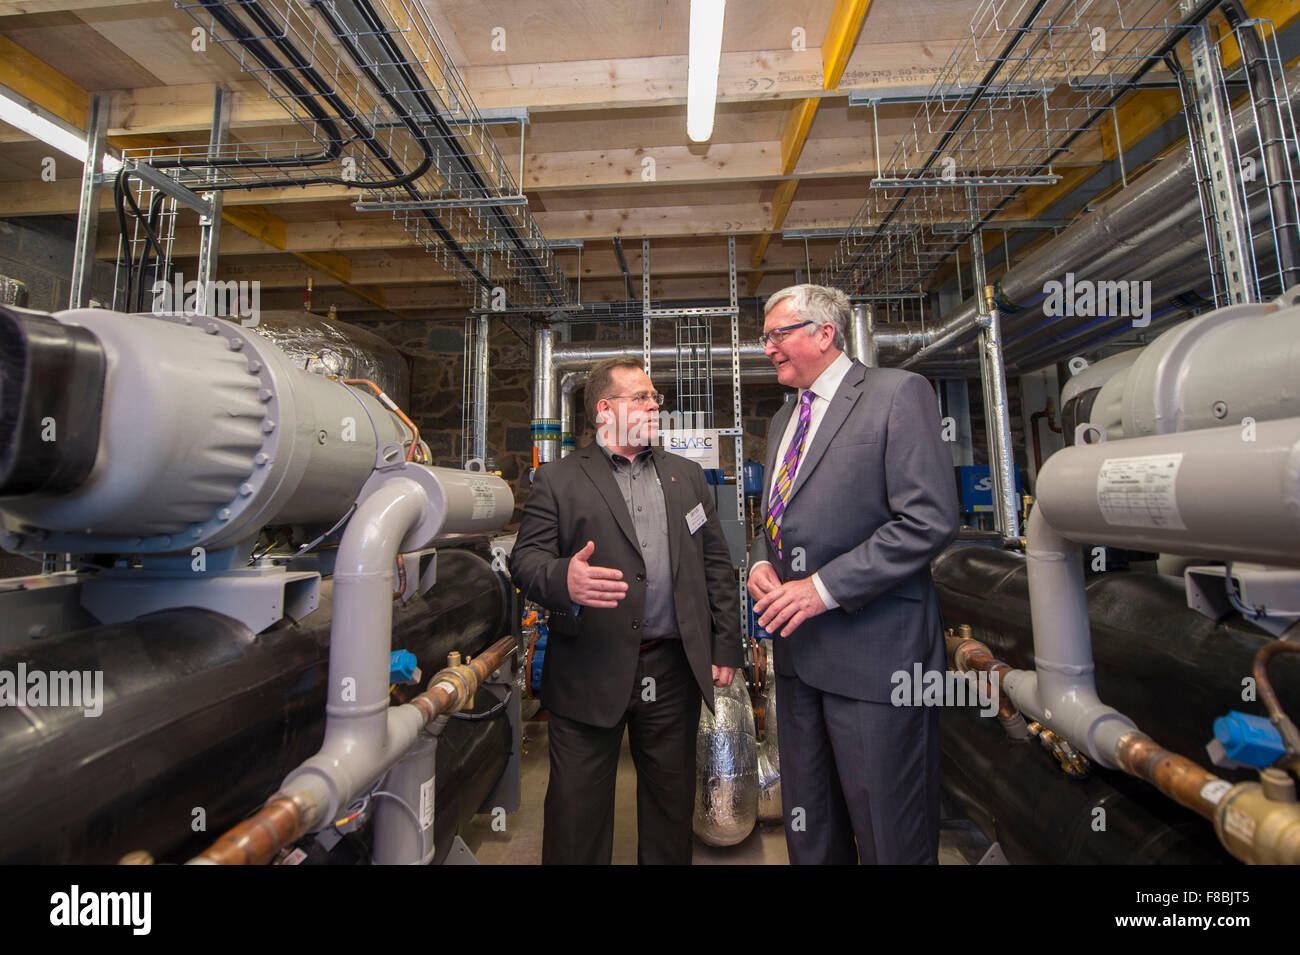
{"points": [[256, 840], [391, 405], [1176, 776], [1287, 729], [453, 688], [967, 653]]}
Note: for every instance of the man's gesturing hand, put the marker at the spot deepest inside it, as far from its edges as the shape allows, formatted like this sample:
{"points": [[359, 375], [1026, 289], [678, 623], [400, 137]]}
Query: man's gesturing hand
{"points": [[762, 579], [790, 604], [594, 586]]}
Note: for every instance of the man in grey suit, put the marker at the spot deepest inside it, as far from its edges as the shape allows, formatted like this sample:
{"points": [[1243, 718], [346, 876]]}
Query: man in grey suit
{"points": [[621, 542], [858, 497]]}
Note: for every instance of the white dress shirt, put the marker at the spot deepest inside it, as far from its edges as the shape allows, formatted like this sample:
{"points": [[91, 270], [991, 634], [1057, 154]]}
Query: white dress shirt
{"points": [[824, 388]]}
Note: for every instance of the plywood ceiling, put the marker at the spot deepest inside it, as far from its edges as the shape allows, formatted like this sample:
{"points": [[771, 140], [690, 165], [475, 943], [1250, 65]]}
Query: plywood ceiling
{"points": [[604, 81]]}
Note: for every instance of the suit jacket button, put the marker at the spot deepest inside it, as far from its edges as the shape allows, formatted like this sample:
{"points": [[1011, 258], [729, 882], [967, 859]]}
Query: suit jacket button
{"points": [[640, 576], [636, 624]]}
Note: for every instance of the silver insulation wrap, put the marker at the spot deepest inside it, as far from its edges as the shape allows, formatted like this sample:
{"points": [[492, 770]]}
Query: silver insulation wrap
{"points": [[769, 762], [329, 346], [726, 759]]}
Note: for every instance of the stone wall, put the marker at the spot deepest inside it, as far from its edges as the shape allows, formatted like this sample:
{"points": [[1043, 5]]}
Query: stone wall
{"points": [[436, 350], [38, 252]]}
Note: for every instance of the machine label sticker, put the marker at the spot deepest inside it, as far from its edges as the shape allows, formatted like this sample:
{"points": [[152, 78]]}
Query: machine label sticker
{"points": [[695, 518], [1140, 491], [1213, 791], [426, 803], [485, 501]]}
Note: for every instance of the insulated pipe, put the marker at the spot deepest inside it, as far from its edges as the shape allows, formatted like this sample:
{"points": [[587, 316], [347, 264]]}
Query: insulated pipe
{"points": [[1212, 491], [1061, 692], [479, 396], [569, 382], [1179, 269], [546, 410], [862, 344], [1138, 219], [998, 422], [551, 364]]}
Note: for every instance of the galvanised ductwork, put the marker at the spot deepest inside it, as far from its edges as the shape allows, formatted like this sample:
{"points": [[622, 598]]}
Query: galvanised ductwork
{"points": [[1156, 212]]}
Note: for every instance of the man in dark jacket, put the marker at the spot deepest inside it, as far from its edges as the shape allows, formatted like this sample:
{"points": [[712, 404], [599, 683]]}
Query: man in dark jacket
{"points": [[621, 542]]}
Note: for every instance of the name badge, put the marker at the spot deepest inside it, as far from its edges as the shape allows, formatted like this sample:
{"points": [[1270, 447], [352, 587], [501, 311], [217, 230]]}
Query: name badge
{"points": [[695, 518]]}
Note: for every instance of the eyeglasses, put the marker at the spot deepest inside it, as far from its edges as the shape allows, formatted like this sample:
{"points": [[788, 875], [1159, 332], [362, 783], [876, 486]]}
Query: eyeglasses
{"points": [[642, 398], [777, 335]]}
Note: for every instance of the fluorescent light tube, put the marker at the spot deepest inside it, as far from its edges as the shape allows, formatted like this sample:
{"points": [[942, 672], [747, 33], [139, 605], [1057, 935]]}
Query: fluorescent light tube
{"points": [[702, 67], [62, 137]]}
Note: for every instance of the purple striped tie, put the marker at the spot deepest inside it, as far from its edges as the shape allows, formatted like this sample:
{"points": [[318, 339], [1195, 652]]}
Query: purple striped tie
{"points": [[785, 477]]}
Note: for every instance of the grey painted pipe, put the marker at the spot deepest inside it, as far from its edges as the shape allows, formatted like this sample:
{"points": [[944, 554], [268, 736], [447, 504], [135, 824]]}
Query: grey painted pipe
{"points": [[1228, 497], [1061, 693], [364, 736]]}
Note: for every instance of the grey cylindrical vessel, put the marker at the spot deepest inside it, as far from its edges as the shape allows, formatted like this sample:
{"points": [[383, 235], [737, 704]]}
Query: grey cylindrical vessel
{"points": [[405, 837]]}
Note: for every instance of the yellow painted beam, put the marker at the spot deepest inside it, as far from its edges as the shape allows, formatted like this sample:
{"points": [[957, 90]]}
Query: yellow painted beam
{"points": [[795, 133], [331, 263], [841, 38], [754, 279], [42, 84], [759, 249], [781, 200], [258, 223]]}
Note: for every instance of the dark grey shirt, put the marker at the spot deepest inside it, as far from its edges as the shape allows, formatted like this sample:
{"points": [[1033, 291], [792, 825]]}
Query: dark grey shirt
{"points": [[644, 493]]}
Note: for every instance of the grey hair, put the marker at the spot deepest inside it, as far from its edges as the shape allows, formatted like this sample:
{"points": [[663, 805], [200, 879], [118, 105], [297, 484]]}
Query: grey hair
{"points": [[818, 304]]}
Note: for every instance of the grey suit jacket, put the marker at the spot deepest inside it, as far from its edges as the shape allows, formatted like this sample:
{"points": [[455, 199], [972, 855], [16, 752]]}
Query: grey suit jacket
{"points": [[873, 501], [591, 659]]}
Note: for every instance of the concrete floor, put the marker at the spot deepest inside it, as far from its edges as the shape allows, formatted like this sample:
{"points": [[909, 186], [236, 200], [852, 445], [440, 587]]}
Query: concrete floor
{"points": [[960, 843]]}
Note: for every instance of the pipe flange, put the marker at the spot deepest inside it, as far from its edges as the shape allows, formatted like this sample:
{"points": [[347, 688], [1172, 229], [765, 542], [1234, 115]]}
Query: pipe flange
{"points": [[253, 490]]}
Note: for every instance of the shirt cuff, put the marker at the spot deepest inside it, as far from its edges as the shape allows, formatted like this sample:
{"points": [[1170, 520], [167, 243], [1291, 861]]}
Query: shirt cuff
{"points": [[830, 602]]}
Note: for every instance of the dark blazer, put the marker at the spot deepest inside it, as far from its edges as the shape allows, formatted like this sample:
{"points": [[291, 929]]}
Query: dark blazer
{"points": [[873, 501], [591, 660]]}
